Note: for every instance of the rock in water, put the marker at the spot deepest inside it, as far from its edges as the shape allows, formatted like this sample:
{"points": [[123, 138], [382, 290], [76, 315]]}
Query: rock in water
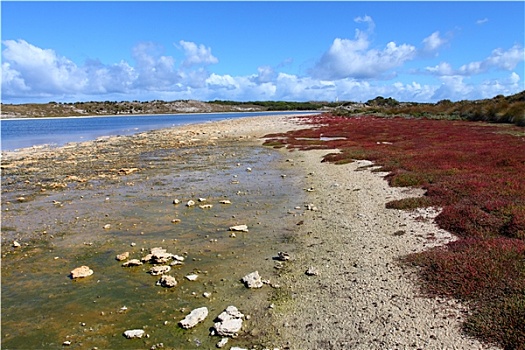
{"points": [[81, 272], [122, 256], [229, 322], [242, 228], [194, 317], [252, 280], [134, 333], [159, 270], [132, 262], [167, 281]]}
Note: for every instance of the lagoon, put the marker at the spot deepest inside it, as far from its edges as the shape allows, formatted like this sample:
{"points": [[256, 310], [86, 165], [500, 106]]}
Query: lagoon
{"points": [[22, 133]]}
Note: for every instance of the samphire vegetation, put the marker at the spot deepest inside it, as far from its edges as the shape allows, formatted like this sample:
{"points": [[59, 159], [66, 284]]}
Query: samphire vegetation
{"points": [[475, 171]]}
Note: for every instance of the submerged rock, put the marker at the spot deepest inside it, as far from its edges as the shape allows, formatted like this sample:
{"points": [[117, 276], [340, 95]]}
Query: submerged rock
{"points": [[253, 280], [194, 317], [81, 272], [134, 333]]}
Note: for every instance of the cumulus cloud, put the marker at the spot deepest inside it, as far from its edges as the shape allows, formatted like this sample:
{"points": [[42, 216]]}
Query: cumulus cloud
{"points": [[28, 70], [352, 58], [39, 71], [499, 59], [197, 54]]}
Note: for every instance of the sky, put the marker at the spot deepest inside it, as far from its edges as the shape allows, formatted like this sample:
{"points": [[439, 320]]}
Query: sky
{"points": [[69, 51]]}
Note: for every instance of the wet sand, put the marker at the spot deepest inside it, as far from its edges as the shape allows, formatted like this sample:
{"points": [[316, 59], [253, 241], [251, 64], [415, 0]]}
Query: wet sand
{"points": [[358, 298]]}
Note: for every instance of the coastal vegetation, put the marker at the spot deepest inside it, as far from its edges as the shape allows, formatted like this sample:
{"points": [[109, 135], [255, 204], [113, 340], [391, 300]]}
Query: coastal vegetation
{"points": [[474, 172], [500, 109]]}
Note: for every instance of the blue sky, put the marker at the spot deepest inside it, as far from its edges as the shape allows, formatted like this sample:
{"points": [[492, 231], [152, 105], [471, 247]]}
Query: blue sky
{"points": [[297, 51]]}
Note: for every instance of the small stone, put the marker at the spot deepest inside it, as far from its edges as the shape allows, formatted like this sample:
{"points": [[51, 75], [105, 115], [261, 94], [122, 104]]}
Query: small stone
{"points": [[206, 206], [133, 244], [282, 256], [66, 343], [175, 221], [233, 235], [194, 317], [252, 280], [202, 199], [176, 201], [81, 272], [107, 226], [192, 277], [242, 228], [222, 343], [206, 295], [122, 256], [134, 333], [225, 201], [249, 169], [312, 271], [190, 203], [16, 244]]}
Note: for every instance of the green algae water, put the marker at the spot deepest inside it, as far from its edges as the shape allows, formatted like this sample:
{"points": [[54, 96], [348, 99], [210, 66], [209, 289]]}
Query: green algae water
{"points": [[42, 307]]}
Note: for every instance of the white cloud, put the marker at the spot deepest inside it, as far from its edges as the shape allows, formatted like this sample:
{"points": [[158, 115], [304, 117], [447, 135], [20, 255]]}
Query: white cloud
{"points": [[482, 21], [499, 59], [433, 42], [38, 70], [347, 58], [197, 54], [442, 68], [352, 59]]}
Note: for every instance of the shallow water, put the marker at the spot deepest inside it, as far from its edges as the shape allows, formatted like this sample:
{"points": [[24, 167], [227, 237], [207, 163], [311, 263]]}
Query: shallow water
{"points": [[42, 307]]}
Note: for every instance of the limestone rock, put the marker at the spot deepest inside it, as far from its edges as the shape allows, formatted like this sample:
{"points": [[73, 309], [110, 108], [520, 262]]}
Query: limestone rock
{"points": [[122, 256], [16, 244], [134, 333], [159, 270], [194, 317], [167, 281], [229, 322], [282, 256], [312, 271], [222, 343], [243, 228], [252, 280], [81, 272], [192, 277], [132, 262]]}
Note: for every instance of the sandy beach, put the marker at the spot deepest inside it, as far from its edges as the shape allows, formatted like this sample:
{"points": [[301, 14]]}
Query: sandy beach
{"points": [[356, 295]]}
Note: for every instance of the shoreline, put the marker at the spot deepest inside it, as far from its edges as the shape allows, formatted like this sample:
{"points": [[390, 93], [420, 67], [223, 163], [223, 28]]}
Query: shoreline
{"points": [[359, 297], [157, 114]]}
